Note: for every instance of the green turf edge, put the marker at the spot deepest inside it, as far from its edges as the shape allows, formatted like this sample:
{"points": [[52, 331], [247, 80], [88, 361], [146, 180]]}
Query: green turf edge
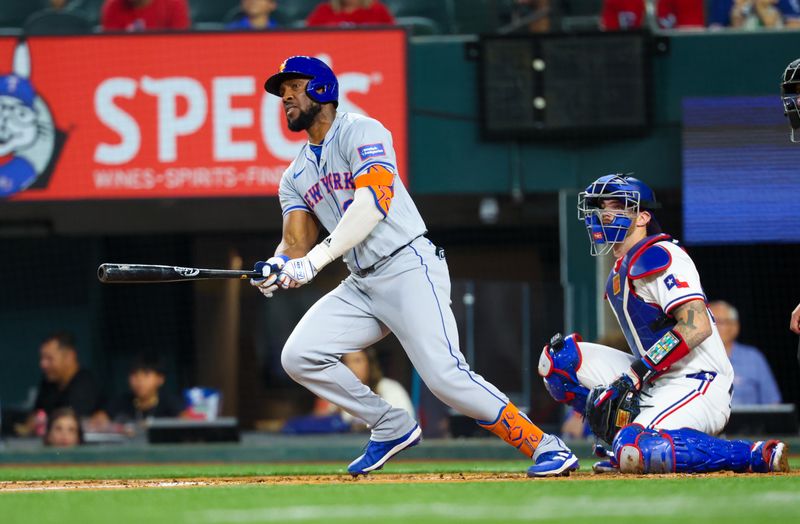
{"points": [[724, 500]]}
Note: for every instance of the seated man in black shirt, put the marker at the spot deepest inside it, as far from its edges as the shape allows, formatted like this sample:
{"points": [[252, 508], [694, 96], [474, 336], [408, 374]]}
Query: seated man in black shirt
{"points": [[64, 383], [144, 400]]}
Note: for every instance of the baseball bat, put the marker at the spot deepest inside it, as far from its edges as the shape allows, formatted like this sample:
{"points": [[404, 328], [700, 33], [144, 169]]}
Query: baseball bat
{"points": [[146, 273]]}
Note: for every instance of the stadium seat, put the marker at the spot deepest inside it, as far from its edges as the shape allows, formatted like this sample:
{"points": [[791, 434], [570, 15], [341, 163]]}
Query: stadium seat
{"points": [[293, 13], [91, 9], [52, 22], [577, 15], [474, 16], [13, 13], [212, 11], [418, 25], [440, 11]]}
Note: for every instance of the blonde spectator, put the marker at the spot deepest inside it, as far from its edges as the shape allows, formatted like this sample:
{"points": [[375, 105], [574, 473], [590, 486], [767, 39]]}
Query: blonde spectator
{"points": [[756, 14]]}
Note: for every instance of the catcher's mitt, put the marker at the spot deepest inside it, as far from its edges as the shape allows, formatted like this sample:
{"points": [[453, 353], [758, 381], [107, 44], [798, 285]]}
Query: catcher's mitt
{"points": [[609, 408]]}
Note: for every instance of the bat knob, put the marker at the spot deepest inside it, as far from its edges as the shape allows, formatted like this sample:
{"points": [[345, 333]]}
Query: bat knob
{"points": [[101, 273]]}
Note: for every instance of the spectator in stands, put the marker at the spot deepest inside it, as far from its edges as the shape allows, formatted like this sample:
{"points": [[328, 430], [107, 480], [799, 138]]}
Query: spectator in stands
{"points": [[753, 382], [754, 14], [327, 417], [64, 382], [791, 13], [350, 13], [669, 14], [255, 15], [63, 429], [144, 15], [528, 9], [144, 399]]}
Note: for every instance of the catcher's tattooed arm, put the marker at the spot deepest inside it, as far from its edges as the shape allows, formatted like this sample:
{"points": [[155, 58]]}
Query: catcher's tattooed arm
{"points": [[692, 329], [693, 324]]}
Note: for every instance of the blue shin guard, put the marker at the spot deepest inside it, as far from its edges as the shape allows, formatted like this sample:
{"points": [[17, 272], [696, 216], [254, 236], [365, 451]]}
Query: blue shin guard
{"points": [[558, 366], [641, 450]]}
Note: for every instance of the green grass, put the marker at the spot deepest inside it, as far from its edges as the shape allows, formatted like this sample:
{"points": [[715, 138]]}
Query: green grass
{"points": [[723, 499]]}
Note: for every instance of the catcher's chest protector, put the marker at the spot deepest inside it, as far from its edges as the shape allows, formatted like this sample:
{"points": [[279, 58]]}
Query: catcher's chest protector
{"points": [[643, 324]]}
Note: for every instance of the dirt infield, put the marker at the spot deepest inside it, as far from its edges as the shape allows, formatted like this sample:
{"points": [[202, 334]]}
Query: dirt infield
{"points": [[75, 485]]}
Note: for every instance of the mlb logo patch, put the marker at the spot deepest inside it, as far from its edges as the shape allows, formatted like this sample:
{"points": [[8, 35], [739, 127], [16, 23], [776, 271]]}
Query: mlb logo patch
{"points": [[597, 235], [371, 150], [672, 281], [615, 283]]}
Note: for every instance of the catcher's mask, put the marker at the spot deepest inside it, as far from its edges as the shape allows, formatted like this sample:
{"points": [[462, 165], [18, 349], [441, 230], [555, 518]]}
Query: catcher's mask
{"points": [[631, 192]]}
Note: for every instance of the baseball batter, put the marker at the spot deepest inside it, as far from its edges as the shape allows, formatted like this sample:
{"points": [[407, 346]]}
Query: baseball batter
{"points": [[345, 179], [659, 406]]}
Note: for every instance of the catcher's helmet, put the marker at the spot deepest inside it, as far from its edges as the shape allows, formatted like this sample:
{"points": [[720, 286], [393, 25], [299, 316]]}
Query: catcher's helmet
{"points": [[322, 86], [632, 192], [790, 93]]}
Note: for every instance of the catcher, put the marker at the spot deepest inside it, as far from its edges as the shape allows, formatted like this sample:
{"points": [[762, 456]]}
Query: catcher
{"points": [[659, 407]]}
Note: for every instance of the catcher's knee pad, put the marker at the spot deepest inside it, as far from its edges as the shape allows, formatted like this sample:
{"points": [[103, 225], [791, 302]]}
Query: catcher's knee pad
{"points": [[558, 367], [641, 450], [685, 450]]}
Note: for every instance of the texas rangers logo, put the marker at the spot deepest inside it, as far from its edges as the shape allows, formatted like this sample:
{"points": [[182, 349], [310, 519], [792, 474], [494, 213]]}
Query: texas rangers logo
{"points": [[29, 141], [671, 281]]}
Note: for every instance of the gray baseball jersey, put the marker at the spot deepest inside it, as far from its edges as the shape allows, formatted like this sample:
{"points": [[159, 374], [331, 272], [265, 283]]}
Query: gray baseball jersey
{"points": [[399, 283], [326, 187]]}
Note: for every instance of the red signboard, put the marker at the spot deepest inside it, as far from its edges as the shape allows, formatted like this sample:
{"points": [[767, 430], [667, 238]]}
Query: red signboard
{"points": [[174, 115]]}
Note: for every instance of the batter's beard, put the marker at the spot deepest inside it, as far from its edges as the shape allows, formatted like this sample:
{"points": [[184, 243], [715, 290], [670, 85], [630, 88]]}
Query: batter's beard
{"points": [[306, 118]]}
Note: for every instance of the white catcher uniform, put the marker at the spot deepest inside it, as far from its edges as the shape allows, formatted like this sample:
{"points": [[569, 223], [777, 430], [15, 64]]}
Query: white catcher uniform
{"points": [[398, 282], [658, 276]]}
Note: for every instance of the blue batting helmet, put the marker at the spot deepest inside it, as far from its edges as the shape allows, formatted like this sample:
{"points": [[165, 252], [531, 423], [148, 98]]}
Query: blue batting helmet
{"points": [[632, 192], [322, 86], [790, 94]]}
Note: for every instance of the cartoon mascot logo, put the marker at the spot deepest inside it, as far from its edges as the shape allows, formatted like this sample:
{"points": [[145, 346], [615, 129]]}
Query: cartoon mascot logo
{"points": [[29, 140]]}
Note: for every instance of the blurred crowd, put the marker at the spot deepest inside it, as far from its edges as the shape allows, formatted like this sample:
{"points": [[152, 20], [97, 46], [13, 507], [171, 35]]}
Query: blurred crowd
{"points": [[420, 16], [69, 404]]}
